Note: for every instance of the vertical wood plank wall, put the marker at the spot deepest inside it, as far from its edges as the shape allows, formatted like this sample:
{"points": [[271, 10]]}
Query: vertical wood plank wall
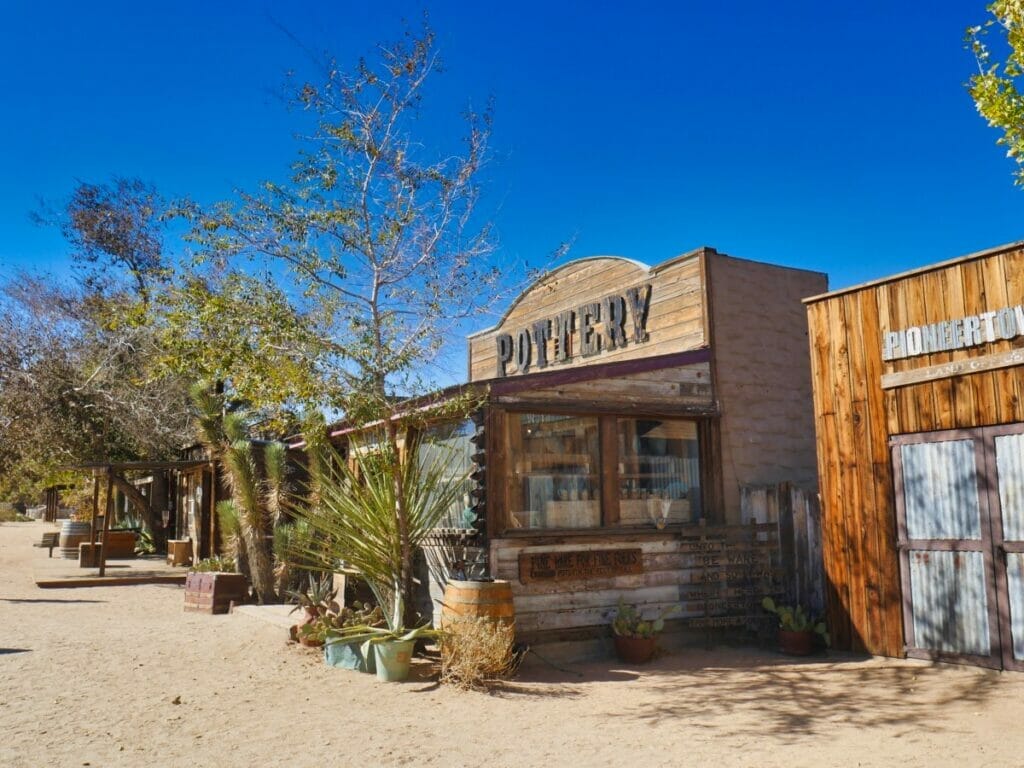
{"points": [[854, 418]]}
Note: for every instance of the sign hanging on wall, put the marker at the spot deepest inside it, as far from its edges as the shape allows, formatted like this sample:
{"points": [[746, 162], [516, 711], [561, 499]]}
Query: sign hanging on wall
{"points": [[580, 564]]}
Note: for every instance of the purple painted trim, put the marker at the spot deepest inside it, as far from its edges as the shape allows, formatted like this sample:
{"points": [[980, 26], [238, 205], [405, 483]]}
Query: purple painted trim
{"points": [[518, 383]]}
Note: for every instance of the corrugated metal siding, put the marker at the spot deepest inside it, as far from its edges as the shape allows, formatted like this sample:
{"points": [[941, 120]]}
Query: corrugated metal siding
{"points": [[1015, 580], [1010, 466], [950, 602], [940, 490]]}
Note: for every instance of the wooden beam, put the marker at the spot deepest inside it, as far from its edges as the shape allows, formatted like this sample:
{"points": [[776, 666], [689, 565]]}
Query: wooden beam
{"points": [[955, 368]]}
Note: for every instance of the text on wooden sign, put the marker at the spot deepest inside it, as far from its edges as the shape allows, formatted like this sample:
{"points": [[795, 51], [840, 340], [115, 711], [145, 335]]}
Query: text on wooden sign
{"points": [[583, 564]]}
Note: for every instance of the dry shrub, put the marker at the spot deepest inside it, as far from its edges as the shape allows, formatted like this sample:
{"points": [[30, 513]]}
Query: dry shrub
{"points": [[476, 652]]}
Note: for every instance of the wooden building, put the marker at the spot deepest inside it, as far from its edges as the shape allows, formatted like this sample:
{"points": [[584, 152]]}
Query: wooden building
{"points": [[624, 406], [919, 410]]}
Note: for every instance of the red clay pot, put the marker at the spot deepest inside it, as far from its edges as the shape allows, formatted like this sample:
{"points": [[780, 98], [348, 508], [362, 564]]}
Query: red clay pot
{"points": [[796, 643], [635, 650]]}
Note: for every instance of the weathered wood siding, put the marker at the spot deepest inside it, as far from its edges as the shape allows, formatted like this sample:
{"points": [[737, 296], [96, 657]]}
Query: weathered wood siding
{"points": [[762, 374], [675, 320], [713, 577], [855, 416]]}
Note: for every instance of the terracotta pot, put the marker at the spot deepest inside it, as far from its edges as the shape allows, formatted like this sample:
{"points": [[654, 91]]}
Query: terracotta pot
{"points": [[796, 643], [310, 642], [635, 650]]}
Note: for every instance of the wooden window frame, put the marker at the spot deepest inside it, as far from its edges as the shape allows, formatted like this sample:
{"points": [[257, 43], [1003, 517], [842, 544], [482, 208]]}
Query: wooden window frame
{"points": [[500, 421]]}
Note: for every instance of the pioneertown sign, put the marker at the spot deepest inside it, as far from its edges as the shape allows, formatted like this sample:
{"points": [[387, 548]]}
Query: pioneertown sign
{"points": [[611, 323], [946, 335]]}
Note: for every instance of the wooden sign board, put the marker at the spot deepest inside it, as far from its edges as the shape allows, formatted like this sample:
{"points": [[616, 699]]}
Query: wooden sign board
{"points": [[579, 565]]}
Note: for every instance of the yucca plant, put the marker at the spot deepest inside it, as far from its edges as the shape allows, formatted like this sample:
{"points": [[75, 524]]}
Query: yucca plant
{"points": [[255, 494], [372, 513]]}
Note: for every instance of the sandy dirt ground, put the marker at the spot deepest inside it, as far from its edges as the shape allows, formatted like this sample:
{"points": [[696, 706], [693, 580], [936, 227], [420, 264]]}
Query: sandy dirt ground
{"points": [[120, 676]]}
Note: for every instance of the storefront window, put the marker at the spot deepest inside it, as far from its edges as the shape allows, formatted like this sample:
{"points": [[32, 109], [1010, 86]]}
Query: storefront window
{"points": [[554, 471], [659, 473], [449, 446]]}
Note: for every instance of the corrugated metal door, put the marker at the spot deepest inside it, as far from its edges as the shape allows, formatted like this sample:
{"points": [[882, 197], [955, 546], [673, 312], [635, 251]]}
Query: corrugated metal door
{"points": [[1006, 468], [960, 508]]}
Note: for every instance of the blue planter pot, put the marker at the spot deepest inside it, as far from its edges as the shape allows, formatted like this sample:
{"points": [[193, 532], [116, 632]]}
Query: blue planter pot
{"points": [[348, 656]]}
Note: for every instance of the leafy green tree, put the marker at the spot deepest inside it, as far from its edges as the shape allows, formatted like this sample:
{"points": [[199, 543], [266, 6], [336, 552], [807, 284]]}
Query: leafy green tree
{"points": [[995, 88], [377, 250], [374, 241], [78, 361]]}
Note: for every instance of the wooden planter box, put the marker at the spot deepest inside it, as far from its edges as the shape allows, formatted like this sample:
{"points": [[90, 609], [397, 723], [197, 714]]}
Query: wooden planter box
{"points": [[214, 592], [121, 544]]}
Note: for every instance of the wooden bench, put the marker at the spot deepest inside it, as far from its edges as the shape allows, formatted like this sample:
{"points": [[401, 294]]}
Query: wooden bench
{"points": [[50, 540]]}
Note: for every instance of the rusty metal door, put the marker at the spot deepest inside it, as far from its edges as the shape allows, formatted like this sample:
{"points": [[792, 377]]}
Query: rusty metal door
{"points": [[960, 521]]}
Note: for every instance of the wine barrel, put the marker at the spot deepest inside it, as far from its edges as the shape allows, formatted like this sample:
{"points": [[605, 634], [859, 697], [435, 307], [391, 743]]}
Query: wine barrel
{"points": [[73, 533], [478, 599]]}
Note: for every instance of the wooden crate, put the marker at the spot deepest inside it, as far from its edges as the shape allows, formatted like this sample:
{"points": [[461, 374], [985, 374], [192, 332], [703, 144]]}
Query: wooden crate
{"points": [[179, 551], [214, 592]]}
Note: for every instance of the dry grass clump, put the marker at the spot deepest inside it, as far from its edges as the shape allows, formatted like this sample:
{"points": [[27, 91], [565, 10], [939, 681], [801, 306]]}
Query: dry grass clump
{"points": [[476, 652]]}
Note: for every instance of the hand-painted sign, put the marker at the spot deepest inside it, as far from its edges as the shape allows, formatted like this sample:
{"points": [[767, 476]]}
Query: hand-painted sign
{"points": [[611, 323]]}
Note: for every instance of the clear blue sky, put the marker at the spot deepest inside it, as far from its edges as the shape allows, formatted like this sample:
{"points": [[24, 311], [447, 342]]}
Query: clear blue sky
{"points": [[832, 136]]}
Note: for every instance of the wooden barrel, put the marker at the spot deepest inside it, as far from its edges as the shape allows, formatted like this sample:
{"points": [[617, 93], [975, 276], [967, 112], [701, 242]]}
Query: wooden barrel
{"points": [[73, 533], [479, 599]]}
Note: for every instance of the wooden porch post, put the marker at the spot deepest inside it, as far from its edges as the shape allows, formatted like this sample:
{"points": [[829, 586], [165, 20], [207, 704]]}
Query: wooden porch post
{"points": [[95, 506], [106, 521]]}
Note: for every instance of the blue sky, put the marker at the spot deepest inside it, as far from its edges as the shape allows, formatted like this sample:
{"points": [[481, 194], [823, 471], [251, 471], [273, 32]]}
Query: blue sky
{"points": [[834, 137]]}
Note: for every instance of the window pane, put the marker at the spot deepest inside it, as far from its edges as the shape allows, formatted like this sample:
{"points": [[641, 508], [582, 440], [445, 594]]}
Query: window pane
{"points": [[554, 463], [659, 472], [449, 445]]}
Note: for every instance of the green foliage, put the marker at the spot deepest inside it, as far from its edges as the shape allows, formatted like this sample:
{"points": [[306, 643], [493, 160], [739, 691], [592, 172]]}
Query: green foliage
{"points": [[796, 619], [77, 357], [995, 88], [629, 622], [225, 434], [373, 241], [215, 564], [374, 512], [317, 598], [145, 545]]}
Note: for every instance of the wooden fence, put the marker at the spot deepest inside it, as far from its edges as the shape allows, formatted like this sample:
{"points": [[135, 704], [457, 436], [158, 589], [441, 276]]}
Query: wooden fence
{"points": [[797, 513]]}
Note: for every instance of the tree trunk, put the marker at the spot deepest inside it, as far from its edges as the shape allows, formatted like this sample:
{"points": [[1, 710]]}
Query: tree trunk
{"points": [[260, 564]]}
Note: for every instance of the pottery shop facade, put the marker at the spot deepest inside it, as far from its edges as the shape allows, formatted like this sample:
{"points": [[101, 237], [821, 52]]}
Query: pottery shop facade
{"points": [[624, 407], [919, 410]]}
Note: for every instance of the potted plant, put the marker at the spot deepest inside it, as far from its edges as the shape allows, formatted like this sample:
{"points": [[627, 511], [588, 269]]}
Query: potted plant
{"points": [[316, 601], [339, 650], [797, 628], [371, 512], [636, 638]]}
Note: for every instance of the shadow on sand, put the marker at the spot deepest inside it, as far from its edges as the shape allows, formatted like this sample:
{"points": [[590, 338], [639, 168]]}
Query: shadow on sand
{"points": [[44, 600]]}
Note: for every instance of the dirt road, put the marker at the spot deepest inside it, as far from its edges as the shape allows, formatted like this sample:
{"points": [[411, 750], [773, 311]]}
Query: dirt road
{"points": [[120, 676]]}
